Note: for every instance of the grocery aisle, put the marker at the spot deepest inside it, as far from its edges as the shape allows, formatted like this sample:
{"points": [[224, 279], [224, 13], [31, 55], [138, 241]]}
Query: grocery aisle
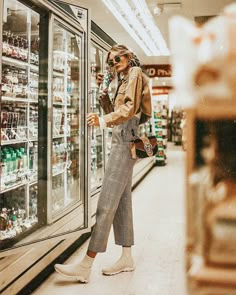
{"points": [[159, 236]]}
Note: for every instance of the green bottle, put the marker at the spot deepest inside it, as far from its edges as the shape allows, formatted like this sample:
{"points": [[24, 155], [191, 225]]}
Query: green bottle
{"points": [[9, 163], [19, 160], [14, 162], [24, 157]]}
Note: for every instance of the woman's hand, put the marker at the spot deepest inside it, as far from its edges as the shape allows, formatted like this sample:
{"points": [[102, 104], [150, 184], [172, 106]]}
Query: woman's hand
{"points": [[92, 119]]}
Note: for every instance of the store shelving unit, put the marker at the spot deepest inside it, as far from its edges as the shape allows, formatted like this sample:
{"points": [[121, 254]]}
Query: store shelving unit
{"points": [[210, 198], [19, 127], [160, 116], [176, 130]]}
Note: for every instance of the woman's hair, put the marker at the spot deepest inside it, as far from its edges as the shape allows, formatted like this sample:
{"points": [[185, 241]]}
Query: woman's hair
{"points": [[123, 50]]}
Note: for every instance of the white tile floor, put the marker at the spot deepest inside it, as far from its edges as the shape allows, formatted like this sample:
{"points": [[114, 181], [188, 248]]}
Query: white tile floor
{"points": [[158, 204]]}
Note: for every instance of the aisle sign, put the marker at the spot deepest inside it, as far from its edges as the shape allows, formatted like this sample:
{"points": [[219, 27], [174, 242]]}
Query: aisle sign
{"points": [[160, 71]]}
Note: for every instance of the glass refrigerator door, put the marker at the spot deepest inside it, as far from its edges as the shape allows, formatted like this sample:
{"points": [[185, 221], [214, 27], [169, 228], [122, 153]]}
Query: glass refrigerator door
{"points": [[19, 123], [97, 138], [66, 156]]}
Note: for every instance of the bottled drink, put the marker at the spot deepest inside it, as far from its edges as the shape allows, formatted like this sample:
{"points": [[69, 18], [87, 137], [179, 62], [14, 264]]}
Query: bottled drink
{"points": [[15, 50], [10, 45], [24, 158], [19, 160], [5, 44], [25, 51]]}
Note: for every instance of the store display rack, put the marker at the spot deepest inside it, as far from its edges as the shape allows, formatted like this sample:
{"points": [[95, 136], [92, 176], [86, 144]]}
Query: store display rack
{"points": [[29, 144], [176, 130], [19, 130], [210, 198], [160, 115]]}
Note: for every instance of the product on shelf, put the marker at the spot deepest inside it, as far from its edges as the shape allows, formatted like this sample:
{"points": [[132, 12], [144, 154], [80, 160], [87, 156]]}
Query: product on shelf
{"points": [[183, 126], [176, 130], [14, 46], [160, 115], [14, 82], [13, 217]]}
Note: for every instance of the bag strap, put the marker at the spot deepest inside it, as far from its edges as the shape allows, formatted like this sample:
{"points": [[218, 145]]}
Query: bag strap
{"points": [[147, 146]]}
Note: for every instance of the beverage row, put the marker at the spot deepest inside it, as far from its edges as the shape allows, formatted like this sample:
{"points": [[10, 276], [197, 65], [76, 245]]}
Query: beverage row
{"points": [[63, 156], [60, 93], [17, 166], [15, 218], [62, 62], [160, 123], [17, 47], [160, 132], [14, 123], [65, 126], [15, 83]]}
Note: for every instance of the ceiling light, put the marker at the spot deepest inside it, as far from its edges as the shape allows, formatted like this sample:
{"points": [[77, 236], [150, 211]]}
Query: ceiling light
{"points": [[157, 10], [137, 20], [167, 7], [149, 23]]}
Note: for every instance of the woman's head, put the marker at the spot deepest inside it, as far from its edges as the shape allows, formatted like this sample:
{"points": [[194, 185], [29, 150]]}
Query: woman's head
{"points": [[120, 58]]}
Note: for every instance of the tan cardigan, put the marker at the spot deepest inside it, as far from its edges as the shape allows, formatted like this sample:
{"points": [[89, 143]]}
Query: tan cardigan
{"points": [[132, 96]]}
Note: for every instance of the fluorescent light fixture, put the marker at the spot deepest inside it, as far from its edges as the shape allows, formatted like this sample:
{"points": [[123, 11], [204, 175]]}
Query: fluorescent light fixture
{"points": [[167, 7], [157, 10], [150, 25], [137, 20]]}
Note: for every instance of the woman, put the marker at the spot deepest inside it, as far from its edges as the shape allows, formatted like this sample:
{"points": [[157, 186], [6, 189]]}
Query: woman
{"points": [[130, 107]]}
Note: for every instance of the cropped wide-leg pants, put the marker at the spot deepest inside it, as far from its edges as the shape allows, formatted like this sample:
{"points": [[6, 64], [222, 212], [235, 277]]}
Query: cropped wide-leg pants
{"points": [[115, 201]]}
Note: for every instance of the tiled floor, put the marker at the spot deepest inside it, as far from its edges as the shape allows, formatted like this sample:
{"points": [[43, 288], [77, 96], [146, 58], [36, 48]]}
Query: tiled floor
{"points": [[158, 203]]}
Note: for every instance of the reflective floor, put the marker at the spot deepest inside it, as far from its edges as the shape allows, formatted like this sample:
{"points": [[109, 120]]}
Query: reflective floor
{"points": [[159, 216]]}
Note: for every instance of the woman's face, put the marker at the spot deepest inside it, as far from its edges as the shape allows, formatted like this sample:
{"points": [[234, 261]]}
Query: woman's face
{"points": [[119, 62]]}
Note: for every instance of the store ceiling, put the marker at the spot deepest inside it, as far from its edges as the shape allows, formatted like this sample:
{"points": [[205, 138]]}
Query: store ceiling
{"points": [[190, 9]]}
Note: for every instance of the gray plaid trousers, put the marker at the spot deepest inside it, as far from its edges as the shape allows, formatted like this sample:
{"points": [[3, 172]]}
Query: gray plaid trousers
{"points": [[115, 201]]}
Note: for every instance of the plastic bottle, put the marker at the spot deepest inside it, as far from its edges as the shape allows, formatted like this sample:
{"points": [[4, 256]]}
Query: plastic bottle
{"points": [[24, 158], [108, 77], [19, 160], [14, 162], [9, 163], [31, 159], [3, 170]]}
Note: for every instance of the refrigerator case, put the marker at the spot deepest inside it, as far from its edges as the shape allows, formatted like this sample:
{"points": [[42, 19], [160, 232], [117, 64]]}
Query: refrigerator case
{"points": [[43, 157], [160, 115], [19, 113]]}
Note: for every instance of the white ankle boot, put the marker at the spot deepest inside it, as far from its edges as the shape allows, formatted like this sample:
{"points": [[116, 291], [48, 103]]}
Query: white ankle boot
{"points": [[79, 271], [125, 263]]}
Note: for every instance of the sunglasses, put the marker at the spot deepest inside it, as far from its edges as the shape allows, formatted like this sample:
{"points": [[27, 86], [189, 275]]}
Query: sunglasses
{"points": [[111, 61]]}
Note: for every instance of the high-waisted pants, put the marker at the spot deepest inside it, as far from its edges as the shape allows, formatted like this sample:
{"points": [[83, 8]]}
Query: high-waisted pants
{"points": [[115, 202]]}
